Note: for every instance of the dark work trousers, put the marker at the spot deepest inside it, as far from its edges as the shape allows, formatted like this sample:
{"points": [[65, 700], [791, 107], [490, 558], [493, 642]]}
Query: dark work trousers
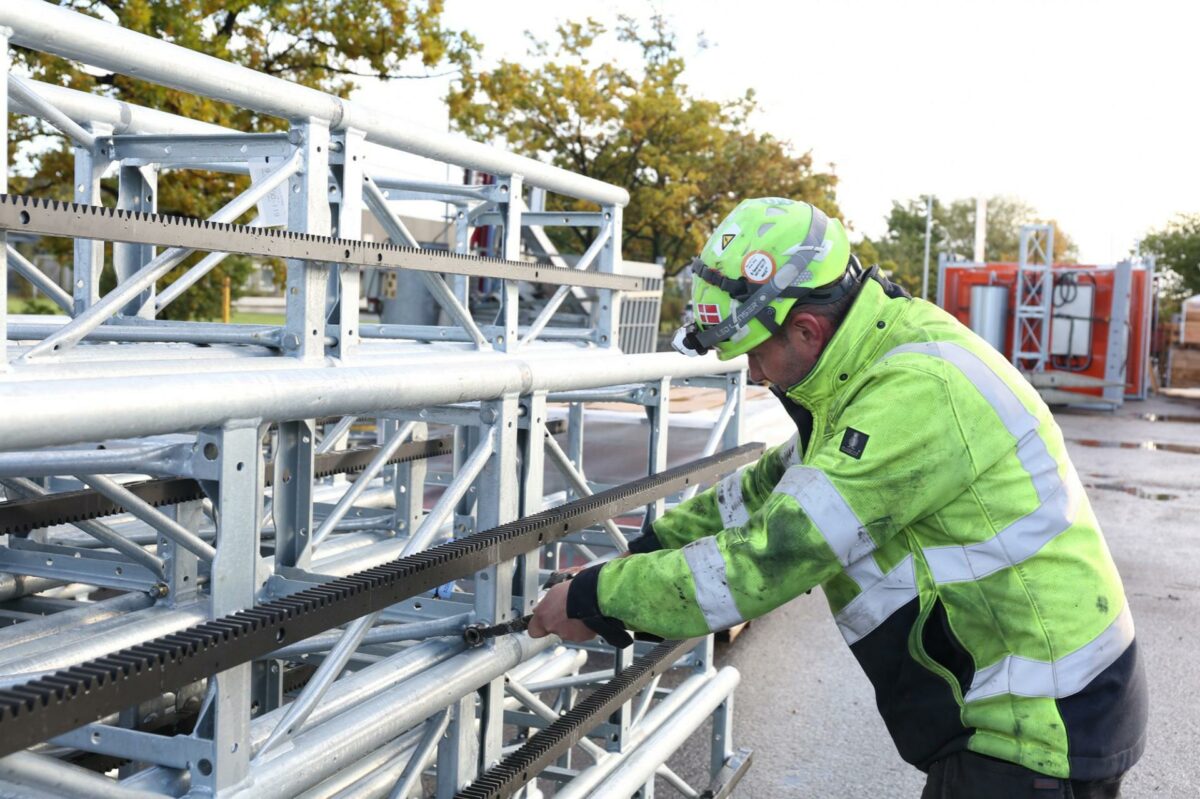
{"points": [[966, 775]]}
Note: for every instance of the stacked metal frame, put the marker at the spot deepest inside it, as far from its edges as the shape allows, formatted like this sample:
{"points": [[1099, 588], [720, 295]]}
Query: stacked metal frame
{"points": [[177, 490]]}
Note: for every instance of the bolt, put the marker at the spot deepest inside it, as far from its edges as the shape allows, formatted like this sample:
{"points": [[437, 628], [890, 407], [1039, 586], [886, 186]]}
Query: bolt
{"points": [[488, 415], [159, 590], [291, 341]]}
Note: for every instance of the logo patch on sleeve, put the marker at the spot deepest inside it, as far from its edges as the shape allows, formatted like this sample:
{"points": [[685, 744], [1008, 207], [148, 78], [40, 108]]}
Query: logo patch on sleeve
{"points": [[854, 442]]}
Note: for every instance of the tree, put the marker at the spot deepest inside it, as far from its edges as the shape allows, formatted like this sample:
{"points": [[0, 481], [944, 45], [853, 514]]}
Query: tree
{"points": [[1176, 247], [313, 42], [685, 160], [901, 251]]}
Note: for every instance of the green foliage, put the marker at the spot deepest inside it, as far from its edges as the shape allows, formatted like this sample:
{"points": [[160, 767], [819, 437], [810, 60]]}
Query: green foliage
{"points": [[685, 160], [901, 251], [38, 305], [317, 43], [1176, 247]]}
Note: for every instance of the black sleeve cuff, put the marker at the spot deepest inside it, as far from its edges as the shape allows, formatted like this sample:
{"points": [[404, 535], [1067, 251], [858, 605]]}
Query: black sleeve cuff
{"points": [[583, 603], [646, 542]]}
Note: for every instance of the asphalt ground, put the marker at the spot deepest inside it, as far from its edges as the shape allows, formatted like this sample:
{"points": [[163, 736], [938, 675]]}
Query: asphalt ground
{"points": [[808, 712]]}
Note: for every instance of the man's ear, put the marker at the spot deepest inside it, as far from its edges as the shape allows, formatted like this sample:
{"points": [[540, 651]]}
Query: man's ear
{"points": [[805, 328]]}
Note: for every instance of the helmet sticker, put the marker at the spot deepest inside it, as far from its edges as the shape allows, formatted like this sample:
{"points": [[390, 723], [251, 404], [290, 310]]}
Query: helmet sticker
{"points": [[708, 314], [721, 240], [758, 266]]}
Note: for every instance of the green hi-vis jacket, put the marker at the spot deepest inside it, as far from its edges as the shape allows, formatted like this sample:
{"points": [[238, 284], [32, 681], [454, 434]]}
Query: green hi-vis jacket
{"points": [[935, 504]]}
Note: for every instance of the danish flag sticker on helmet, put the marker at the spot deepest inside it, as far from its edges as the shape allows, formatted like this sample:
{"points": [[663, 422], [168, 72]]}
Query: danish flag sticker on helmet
{"points": [[708, 314]]}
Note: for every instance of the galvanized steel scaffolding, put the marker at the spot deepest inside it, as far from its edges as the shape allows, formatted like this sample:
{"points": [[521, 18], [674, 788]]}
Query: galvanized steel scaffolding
{"points": [[237, 438]]}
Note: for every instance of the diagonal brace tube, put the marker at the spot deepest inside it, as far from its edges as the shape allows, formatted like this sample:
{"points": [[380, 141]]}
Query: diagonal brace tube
{"points": [[416, 764], [451, 496], [579, 483], [328, 671], [74, 332], [150, 515], [360, 484], [49, 112], [193, 275], [101, 532], [384, 634], [437, 287], [336, 432], [543, 318], [38, 278]]}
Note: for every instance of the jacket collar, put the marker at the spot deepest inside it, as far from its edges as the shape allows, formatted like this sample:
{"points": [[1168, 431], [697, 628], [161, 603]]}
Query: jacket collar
{"points": [[854, 346]]}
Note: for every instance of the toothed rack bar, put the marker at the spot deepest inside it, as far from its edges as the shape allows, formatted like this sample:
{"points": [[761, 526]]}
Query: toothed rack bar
{"points": [[76, 220], [541, 751], [43, 708]]}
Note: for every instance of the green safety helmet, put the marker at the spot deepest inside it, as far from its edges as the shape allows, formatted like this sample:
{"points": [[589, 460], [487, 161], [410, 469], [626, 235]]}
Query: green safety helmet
{"points": [[765, 256]]}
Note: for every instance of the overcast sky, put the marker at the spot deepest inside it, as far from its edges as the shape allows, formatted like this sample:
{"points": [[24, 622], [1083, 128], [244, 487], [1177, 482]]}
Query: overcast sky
{"points": [[1085, 110]]}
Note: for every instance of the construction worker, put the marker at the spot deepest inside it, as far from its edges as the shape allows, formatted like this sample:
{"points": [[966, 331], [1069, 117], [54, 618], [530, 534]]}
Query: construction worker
{"points": [[928, 491]]}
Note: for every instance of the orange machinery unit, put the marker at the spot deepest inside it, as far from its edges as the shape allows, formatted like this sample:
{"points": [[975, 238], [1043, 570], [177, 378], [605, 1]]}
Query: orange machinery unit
{"points": [[1095, 330]]}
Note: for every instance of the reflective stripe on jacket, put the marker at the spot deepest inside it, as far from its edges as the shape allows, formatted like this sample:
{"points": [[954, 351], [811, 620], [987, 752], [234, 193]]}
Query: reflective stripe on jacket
{"points": [[937, 507]]}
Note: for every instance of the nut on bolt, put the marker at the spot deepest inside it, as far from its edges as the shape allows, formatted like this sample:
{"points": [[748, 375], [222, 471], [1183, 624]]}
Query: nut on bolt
{"points": [[159, 590], [473, 635]]}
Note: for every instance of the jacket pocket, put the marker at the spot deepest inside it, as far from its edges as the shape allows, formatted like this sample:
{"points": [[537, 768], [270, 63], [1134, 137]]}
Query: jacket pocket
{"points": [[943, 648]]}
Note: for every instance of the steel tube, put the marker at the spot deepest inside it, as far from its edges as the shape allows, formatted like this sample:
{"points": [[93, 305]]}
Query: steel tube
{"points": [[438, 333], [454, 492], [101, 532], [416, 763], [262, 335], [385, 634], [17, 87], [150, 515], [50, 774], [580, 484], [662, 714], [547, 713], [18, 585], [19, 264], [68, 411], [547, 312], [110, 457], [398, 233], [88, 613], [74, 332], [318, 684], [72, 645], [640, 764], [367, 683], [360, 485], [123, 117], [378, 770], [330, 439], [317, 753], [92, 41], [193, 275]]}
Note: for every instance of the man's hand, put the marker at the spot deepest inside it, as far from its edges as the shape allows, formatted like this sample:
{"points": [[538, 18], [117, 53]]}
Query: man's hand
{"points": [[550, 617]]}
